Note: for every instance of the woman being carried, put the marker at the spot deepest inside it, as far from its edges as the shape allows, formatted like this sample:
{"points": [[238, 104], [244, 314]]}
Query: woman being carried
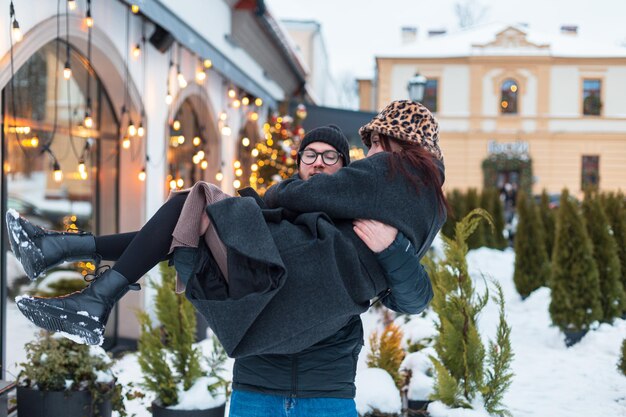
{"points": [[305, 270]]}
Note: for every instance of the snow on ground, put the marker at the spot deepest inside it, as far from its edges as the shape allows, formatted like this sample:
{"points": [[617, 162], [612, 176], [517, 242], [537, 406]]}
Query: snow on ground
{"points": [[550, 379]]}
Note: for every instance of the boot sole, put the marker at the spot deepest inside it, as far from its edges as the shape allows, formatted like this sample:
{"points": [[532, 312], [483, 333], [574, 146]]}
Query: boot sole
{"points": [[24, 248], [77, 327]]}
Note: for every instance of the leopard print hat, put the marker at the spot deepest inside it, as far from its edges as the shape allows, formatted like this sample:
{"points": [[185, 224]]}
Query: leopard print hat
{"points": [[407, 121]]}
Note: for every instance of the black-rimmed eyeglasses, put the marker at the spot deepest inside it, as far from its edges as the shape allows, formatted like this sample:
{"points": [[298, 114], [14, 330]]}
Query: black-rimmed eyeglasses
{"points": [[309, 156]]}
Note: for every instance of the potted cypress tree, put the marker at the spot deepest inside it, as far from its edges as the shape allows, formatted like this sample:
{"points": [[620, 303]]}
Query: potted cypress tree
{"points": [[172, 365], [63, 378]]}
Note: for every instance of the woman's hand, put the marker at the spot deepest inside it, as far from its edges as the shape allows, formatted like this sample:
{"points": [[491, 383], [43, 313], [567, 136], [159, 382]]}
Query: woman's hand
{"points": [[376, 235]]}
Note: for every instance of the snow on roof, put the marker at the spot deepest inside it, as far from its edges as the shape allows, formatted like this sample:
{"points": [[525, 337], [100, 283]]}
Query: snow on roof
{"points": [[499, 39]]}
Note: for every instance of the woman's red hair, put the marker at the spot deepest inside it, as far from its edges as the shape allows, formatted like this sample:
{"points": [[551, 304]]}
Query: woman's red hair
{"points": [[420, 159]]}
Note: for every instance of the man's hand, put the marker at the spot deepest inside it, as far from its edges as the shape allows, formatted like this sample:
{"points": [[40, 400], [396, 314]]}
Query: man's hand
{"points": [[376, 235]]}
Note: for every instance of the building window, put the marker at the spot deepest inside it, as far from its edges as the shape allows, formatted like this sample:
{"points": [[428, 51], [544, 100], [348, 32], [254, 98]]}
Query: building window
{"points": [[590, 172], [591, 97], [508, 97], [188, 152], [44, 129], [430, 95]]}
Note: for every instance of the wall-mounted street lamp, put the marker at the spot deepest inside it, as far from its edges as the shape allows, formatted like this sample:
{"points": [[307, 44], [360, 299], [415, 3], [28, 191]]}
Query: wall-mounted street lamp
{"points": [[416, 87]]}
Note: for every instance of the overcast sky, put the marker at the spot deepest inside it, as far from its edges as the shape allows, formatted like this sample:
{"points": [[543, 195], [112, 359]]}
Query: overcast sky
{"points": [[356, 30]]}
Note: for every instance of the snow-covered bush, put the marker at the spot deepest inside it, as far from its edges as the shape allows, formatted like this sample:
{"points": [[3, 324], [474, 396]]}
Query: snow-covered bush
{"points": [[386, 351], [169, 360], [58, 364]]}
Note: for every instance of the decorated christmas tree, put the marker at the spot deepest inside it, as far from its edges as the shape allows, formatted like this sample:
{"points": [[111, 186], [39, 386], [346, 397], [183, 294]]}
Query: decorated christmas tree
{"points": [[606, 256], [574, 280], [274, 157], [532, 268]]}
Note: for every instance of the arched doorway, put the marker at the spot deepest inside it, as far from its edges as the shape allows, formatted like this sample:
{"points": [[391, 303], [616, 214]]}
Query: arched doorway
{"points": [[59, 170]]}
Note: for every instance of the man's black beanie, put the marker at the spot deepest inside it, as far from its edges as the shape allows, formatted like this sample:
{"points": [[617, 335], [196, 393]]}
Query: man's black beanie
{"points": [[330, 134]]}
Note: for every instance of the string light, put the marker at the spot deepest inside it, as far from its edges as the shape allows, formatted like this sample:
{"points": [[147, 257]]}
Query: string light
{"points": [[239, 172], [236, 183], [245, 142], [232, 93], [181, 139], [15, 26], [67, 71], [142, 174], [208, 63], [136, 51], [168, 98], [132, 130], [255, 152], [176, 125], [204, 164], [226, 131], [58, 174], [134, 8], [254, 116], [258, 102], [180, 183], [140, 130], [88, 19], [223, 116], [245, 101], [182, 82], [71, 4], [126, 142], [237, 164], [173, 184], [88, 121], [236, 104], [196, 141], [219, 176], [81, 166], [200, 75]]}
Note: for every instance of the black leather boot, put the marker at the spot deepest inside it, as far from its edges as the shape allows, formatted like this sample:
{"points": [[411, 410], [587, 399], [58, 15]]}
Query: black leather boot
{"points": [[39, 249], [81, 315]]}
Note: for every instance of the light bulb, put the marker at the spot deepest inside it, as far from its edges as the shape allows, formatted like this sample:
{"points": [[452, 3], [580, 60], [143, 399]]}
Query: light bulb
{"points": [[176, 124], [232, 93], [245, 101], [236, 104], [254, 116], [200, 154], [17, 32], [83, 175], [180, 183], [208, 63], [196, 141], [245, 141], [196, 159], [200, 76], [223, 116], [34, 141], [254, 167], [81, 166], [142, 174], [132, 130], [134, 8], [236, 183], [173, 184], [168, 98], [58, 174], [136, 51], [219, 176], [126, 142], [71, 4], [226, 131], [237, 164], [67, 71], [204, 164], [258, 102], [182, 82], [140, 130], [255, 152], [88, 121], [89, 19], [239, 172], [181, 139]]}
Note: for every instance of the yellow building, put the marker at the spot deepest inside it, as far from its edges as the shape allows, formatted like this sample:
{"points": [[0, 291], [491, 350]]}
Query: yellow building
{"points": [[508, 98]]}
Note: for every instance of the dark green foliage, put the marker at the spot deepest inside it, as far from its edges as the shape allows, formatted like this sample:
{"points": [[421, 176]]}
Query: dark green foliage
{"points": [[499, 376], [456, 199], [486, 203], [548, 221], [166, 353], [606, 257], [622, 363], [497, 212], [54, 360], [574, 281], [532, 268], [615, 209], [460, 363], [477, 238]]}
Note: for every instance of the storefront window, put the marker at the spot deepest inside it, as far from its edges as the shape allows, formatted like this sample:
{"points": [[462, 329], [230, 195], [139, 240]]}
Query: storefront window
{"points": [[188, 150], [508, 99], [59, 172]]}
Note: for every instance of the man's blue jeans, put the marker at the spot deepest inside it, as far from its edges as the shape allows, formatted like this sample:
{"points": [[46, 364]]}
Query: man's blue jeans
{"points": [[253, 404]]}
